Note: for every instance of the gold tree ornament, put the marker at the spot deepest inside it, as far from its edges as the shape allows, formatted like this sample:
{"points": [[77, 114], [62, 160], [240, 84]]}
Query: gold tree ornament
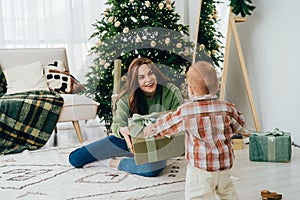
{"points": [[111, 19], [167, 40], [102, 62], [186, 52], [161, 6], [98, 43], [147, 4], [201, 47], [138, 39], [126, 30], [106, 65], [169, 6], [153, 43], [178, 45], [215, 16], [213, 52], [117, 23]]}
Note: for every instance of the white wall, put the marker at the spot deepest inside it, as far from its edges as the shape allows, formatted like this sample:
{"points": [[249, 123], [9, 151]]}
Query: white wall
{"points": [[270, 42]]}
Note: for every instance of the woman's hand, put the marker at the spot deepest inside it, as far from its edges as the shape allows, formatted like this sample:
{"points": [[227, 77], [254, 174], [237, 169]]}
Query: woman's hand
{"points": [[126, 134]]}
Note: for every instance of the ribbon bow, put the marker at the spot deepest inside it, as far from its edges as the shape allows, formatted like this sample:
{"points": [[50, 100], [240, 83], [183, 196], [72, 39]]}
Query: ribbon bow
{"points": [[276, 132], [140, 121], [146, 119]]}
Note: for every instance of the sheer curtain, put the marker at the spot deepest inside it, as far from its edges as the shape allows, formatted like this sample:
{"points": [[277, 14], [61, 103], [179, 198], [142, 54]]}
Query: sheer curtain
{"points": [[50, 23]]}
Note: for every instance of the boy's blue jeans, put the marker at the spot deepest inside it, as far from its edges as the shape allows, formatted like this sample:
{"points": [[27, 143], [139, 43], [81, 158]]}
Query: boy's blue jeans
{"points": [[110, 147]]}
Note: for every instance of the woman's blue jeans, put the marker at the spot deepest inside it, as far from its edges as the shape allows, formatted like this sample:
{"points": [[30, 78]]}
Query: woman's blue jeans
{"points": [[111, 147]]}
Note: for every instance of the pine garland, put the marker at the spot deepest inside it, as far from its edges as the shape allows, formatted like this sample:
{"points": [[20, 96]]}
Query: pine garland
{"points": [[208, 36], [242, 7]]}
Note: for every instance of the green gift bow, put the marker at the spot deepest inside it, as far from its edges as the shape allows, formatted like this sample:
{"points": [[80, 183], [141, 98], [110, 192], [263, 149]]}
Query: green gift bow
{"points": [[276, 132], [145, 118], [141, 121]]}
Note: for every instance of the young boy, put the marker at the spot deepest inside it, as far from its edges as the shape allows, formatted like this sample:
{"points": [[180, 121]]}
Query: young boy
{"points": [[209, 124]]}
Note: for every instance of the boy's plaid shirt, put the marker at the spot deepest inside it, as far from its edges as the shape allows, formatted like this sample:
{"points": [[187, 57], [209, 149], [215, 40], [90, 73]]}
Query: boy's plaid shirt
{"points": [[209, 124]]}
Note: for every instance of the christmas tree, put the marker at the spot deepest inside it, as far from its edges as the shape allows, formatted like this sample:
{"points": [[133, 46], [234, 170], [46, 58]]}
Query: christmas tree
{"points": [[208, 34], [132, 28]]}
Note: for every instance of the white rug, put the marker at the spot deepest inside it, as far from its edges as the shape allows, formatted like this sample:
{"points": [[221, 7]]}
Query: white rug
{"points": [[46, 174]]}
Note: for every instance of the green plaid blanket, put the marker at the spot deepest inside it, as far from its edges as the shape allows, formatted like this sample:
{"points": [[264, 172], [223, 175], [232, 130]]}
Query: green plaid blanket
{"points": [[27, 120]]}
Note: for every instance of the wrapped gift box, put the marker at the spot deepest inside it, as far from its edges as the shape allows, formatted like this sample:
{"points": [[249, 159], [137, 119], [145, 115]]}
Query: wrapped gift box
{"points": [[270, 146], [237, 140], [153, 148]]}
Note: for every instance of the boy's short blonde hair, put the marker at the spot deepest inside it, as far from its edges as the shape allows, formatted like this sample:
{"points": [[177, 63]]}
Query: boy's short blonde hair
{"points": [[202, 77]]}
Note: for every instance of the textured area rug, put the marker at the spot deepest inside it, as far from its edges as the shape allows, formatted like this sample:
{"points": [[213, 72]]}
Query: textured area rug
{"points": [[46, 174]]}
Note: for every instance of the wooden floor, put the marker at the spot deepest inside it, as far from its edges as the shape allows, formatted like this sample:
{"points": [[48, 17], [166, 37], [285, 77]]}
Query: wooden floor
{"points": [[250, 177], [282, 178]]}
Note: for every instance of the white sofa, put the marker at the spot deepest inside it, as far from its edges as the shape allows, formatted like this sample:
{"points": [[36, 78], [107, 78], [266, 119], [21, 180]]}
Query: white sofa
{"points": [[76, 107]]}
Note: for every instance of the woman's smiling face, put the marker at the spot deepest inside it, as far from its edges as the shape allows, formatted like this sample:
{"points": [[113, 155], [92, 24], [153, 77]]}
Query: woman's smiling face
{"points": [[147, 80]]}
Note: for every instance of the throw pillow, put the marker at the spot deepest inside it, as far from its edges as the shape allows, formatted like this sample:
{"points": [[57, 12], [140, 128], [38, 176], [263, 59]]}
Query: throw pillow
{"points": [[25, 78], [3, 83], [60, 82], [58, 64], [55, 65]]}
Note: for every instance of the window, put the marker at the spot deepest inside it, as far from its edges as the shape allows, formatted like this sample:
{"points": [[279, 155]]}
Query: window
{"points": [[50, 23]]}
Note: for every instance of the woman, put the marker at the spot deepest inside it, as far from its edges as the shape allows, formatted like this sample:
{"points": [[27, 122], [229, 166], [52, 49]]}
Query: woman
{"points": [[146, 90]]}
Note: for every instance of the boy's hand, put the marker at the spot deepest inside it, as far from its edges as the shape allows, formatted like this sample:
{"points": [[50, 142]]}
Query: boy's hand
{"points": [[149, 131]]}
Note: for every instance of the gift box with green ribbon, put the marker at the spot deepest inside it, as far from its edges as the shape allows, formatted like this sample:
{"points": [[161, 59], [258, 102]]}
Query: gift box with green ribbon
{"points": [[270, 146], [153, 148]]}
